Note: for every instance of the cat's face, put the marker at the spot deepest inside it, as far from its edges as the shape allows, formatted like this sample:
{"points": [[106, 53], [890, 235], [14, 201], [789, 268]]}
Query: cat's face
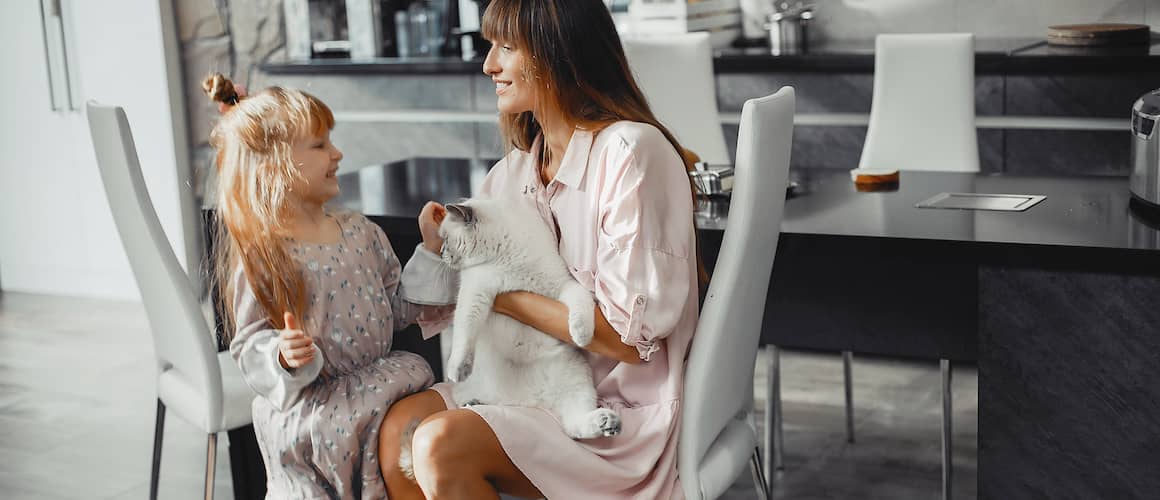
{"points": [[473, 232]]}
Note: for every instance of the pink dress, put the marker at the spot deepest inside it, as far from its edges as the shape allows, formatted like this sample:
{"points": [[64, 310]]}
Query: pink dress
{"points": [[623, 213]]}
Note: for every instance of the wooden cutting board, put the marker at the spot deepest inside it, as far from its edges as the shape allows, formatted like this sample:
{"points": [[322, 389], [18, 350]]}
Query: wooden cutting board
{"points": [[1105, 34]]}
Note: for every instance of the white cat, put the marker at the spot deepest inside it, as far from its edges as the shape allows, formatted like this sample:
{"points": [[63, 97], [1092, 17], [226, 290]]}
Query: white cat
{"points": [[501, 246]]}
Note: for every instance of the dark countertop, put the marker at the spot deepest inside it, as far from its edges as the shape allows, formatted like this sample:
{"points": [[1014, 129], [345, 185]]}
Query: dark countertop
{"points": [[848, 56], [1079, 212], [993, 56]]}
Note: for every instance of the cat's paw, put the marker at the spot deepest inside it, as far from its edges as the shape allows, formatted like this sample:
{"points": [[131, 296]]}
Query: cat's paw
{"points": [[606, 421], [459, 367], [600, 422], [582, 326]]}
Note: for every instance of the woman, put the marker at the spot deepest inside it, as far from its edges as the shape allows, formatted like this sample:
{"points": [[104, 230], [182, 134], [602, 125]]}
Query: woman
{"points": [[612, 182]]}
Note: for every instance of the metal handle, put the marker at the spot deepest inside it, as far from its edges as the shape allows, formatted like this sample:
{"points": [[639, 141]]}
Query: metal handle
{"points": [[74, 98], [47, 9], [56, 55]]}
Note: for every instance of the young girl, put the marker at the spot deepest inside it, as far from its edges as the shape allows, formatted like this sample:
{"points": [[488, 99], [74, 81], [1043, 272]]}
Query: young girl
{"points": [[591, 156], [315, 297]]}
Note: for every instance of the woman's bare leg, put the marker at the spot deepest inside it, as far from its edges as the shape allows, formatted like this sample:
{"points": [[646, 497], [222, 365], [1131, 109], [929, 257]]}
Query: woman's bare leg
{"points": [[457, 455], [411, 408]]}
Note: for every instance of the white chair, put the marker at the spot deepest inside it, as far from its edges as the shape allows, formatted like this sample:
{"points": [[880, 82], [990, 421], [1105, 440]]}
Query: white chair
{"points": [[200, 385], [718, 434], [923, 113], [675, 72], [922, 117]]}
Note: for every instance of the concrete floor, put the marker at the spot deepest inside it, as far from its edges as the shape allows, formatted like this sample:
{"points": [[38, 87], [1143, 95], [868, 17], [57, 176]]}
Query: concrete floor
{"points": [[77, 394]]}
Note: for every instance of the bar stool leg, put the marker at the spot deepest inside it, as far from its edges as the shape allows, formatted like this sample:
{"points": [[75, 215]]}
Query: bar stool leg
{"points": [[773, 418], [158, 434], [760, 483], [847, 368], [210, 463], [947, 458]]}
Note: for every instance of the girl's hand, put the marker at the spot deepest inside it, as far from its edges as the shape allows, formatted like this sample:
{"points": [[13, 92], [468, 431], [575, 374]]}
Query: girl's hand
{"points": [[429, 219], [295, 348]]}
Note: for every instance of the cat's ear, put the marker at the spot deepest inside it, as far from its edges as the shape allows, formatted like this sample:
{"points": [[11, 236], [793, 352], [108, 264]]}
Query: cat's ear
{"points": [[464, 212]]}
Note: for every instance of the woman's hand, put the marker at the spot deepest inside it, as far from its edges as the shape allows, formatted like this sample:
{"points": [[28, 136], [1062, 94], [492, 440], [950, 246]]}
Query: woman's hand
{"points": [[295, 348], [429, 219]]}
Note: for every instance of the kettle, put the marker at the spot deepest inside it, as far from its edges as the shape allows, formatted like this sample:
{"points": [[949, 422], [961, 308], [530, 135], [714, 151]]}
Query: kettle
{"points": [[1145, 179]]}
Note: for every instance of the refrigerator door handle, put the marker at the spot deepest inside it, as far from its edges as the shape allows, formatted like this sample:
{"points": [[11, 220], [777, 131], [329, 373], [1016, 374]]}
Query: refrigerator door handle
{"points": [[72, 89], [50, 18], [57, 52]]}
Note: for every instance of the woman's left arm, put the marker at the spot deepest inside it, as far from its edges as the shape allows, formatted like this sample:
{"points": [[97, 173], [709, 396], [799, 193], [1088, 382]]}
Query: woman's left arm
{"points": [[551, 316], [645, 275]]}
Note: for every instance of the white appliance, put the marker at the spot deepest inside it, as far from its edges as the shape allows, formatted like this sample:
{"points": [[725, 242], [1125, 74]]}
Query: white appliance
{"points": [[56, 231]]}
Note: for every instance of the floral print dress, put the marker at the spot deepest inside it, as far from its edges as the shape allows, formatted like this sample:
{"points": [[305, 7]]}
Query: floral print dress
{"points": [[318, 425]]}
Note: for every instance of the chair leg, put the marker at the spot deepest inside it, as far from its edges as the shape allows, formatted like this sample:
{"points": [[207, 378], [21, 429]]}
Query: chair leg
{"points": [[210, 459], [847, 369], [947, 456], [773, 417], [760, 482], [158, 433]]}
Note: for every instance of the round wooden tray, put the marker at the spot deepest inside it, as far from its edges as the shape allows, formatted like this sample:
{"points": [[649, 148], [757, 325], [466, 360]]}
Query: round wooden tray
{"points": [[1104, 34]]}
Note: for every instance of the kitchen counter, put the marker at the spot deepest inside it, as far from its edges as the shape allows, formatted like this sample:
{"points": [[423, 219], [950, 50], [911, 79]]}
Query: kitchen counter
{"points": [[993, 56], [1090, 213]]}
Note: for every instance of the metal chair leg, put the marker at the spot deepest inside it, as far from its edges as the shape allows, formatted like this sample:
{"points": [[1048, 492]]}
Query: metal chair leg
{"points": [[759, 478], [847, 369], [947, 457], [158, 433], [210, 459], [773, 418]]}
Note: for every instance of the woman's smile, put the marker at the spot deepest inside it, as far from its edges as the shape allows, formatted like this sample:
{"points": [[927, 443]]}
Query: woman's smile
{"points": [[501, 86]]}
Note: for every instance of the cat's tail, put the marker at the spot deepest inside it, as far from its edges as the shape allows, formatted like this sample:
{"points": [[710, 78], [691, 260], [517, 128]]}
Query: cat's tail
{"points": [[406, 461]]}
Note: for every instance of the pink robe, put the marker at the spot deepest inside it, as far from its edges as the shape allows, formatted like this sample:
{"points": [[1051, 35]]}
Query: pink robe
{"points": [[623, 210]]}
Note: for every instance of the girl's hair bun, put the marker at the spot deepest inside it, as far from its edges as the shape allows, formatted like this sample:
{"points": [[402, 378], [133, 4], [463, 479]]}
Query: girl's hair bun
{"points": [[220, 89]]}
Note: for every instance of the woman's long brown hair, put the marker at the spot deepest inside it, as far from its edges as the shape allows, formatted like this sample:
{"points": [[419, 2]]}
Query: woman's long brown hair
{"points": [[254, 141], [582, 75]]}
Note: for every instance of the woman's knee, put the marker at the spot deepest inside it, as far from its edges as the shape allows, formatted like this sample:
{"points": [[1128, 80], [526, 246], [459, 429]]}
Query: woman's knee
{"points": [[439, 446], [402, 415]]}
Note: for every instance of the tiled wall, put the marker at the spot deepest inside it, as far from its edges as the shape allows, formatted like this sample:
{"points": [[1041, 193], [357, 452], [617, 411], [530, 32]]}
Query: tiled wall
{"points": [[862, 19], [227, 36]]}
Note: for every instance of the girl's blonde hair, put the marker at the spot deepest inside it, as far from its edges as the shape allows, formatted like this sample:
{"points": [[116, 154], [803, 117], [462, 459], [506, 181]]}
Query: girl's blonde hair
{"points": [[254, 141]]}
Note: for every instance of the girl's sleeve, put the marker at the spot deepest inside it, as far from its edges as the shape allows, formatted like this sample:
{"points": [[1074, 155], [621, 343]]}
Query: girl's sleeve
{"points": [[646, 258], [255, 348], [422, 292]]}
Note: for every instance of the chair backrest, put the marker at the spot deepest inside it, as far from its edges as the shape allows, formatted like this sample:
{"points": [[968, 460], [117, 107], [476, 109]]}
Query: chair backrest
{"points": [[923, 113], [675, 72], [719, 371], [181, 337]]}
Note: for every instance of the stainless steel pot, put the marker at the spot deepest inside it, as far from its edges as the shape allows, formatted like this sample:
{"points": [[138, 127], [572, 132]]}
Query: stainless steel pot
{"points": [[788, 28], [713, 180], [1145, 178]]}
